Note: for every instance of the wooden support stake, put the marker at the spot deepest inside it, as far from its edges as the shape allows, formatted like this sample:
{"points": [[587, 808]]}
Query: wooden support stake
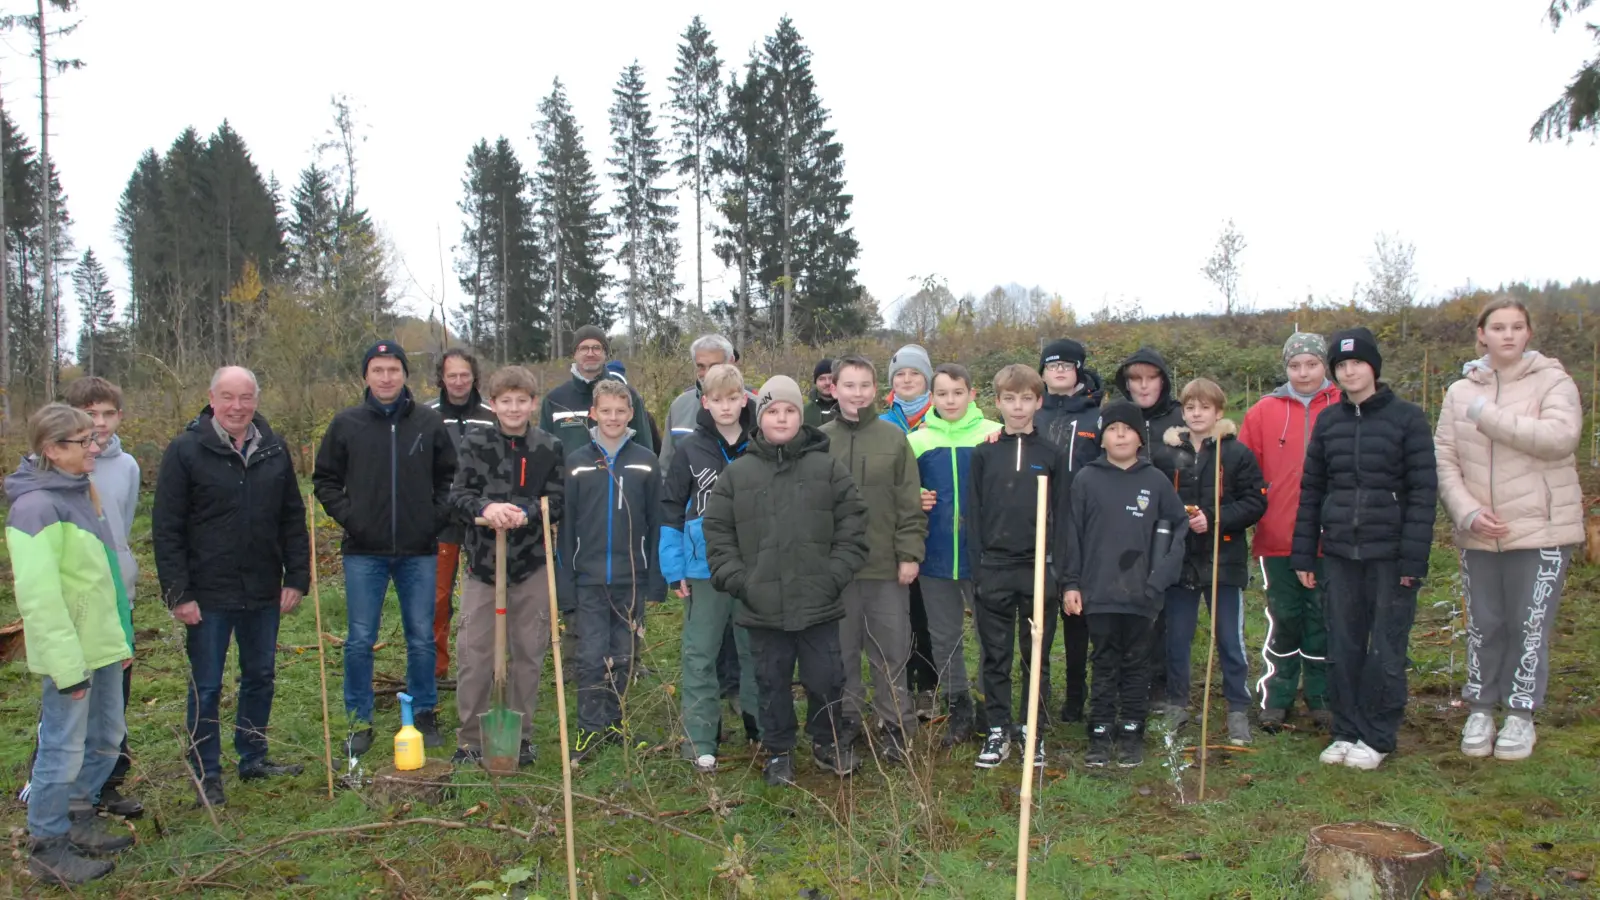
{"points": [[1211, 645], [322, 656], [1031, 739]]}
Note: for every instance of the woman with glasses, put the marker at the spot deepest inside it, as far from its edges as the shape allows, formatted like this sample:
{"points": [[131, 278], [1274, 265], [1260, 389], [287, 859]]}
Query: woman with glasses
{"points": [[79, 636]]}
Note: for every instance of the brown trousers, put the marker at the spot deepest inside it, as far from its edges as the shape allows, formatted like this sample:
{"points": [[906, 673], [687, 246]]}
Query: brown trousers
{"points": [[527, 640]]}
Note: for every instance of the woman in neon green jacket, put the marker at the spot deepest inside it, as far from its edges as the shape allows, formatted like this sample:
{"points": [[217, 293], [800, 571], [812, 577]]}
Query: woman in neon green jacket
{"points": [[79, 632]]}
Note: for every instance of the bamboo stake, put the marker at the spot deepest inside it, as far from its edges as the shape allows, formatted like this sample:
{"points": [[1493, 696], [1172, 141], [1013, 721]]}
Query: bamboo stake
{"points": [[1031, 739], [322, 658], [561, 700], [1426, 399], [1594, 422], [1211, 645]]}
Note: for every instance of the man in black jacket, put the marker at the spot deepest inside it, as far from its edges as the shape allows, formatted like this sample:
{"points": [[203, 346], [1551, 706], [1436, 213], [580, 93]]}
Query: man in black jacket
{"points": [[564, 412], [462, 408], [229, 529], [383, 473]]}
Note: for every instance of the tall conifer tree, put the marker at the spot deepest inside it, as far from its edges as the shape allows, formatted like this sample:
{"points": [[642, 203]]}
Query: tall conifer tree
{"points": [[574, 230], [696, 115], [642, 217]]}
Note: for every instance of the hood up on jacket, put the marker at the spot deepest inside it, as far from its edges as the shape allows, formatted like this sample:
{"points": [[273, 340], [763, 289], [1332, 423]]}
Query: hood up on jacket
{"points": [[1151, 357]]}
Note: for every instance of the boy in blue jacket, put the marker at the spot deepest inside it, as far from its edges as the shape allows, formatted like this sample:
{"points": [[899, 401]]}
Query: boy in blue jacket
{"points": [[722, 432]]}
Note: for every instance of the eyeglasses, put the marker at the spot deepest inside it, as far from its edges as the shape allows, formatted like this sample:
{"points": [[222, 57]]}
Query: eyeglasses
{"points": [[1059, 367], [85, 443]]}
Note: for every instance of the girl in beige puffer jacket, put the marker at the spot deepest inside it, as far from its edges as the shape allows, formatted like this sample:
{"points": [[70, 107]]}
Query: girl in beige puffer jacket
{"points": [[1509, 481]]}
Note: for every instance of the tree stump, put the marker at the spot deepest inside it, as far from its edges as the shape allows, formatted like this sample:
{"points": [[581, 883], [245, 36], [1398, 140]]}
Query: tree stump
{"points": [[1370, 860], [425, 785]]}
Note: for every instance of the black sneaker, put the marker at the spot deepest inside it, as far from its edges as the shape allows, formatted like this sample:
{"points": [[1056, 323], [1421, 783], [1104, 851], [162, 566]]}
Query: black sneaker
{"points": [[1099, 755], [840, 760], [269, 769], [779, 771], [893, 747], [1038, 749], [996, 748], [114, 802], [466, 756], [359, 742], [526, 754], [427, 722], [210, 794], [93, 836], [1130, 745], [53, 861]]}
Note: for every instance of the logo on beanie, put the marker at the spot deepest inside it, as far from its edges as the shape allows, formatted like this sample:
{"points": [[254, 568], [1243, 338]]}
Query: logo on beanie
{"points": [[1348, 345]]}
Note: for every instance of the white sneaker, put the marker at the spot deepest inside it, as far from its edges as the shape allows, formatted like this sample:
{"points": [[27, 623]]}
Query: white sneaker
{"points": [[1516, 739], [705, 764], [1477, 738], [1363, 757], [1336, 753]]}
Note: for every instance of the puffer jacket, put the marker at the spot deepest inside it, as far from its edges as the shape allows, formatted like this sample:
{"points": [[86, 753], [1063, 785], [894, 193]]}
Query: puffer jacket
{"points": [[1505, 443], [1243, 501], [944, 458], [879, 458], [786, 533], [1277, 430], [1165, 413], [1370, 489]]}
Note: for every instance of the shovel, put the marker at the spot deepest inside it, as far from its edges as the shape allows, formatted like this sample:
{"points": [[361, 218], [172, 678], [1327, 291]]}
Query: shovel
{"points": [[501, 727]]}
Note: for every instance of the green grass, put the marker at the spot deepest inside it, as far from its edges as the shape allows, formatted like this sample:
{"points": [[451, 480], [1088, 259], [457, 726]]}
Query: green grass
{"points": [[942, 829]]}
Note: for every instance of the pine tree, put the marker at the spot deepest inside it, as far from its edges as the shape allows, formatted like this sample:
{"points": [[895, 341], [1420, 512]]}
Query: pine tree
{"points": [[312, 231], [474, 262], [696, 115], [97, 305], [642, 218], [31, 316], [574, 231], [498, 262], [736, 145]]}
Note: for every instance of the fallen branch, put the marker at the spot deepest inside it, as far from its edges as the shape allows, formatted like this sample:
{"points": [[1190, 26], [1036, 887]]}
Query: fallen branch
{"points": [[1228, 747], [720, 809]]}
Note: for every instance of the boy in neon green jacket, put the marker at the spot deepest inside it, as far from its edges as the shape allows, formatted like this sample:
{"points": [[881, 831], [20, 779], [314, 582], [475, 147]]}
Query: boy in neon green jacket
{"points": [[79, 632], [943, 447]]}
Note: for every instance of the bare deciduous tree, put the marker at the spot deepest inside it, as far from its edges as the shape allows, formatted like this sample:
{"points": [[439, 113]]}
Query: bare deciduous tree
{"points": [[1222, 269], [1392, 284]]}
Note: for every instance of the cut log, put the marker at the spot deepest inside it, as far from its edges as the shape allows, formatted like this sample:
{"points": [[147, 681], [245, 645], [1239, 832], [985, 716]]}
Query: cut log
{"points": [[424, 785], [11, 641], [1370, 860]]}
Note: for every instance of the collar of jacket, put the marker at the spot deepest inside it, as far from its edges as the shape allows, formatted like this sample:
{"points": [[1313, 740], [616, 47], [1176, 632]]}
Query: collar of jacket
{"points": [[747, 426], [1178, 435], [400, 412], [1380, 398], [207, 432], [1088, 398], [473, 404], [970, 421], [594, 438], [1480, 371], [823, 402], [809, 440], [869, 413]]}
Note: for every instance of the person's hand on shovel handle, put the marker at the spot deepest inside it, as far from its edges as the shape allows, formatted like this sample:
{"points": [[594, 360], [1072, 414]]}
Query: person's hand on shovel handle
{"points": [[504, 516]]}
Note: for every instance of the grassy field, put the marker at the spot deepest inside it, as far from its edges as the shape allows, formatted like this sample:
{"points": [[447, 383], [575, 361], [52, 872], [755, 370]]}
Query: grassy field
{"points": [[648, 827]]}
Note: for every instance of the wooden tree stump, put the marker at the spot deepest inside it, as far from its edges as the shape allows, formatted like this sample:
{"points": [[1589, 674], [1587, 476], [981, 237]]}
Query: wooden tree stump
{"points": [[424, 785], [1370, 860]]}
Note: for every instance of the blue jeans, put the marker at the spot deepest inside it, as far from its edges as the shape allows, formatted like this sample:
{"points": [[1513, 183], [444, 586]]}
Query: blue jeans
{"points": [[207, 646], [79, 741], [1183, 616], [366, 580]]}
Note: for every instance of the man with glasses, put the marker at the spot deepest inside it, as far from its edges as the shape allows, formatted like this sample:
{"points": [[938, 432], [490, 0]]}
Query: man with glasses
{"points": [[565, 410]]}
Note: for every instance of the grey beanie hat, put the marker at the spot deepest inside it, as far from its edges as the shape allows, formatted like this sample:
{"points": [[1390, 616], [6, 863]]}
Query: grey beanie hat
{"points": [[912, 356], [779, 389]]}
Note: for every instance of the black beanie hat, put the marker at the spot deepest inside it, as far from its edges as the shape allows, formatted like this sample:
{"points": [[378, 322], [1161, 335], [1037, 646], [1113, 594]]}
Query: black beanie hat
{"points": [[1124, 411], [1064, 350], [823, 367], [1355, 343], [390, 349], [591, 333]]}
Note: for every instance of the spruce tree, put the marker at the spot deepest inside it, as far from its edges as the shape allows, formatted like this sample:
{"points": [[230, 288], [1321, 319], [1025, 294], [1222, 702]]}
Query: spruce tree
{"points": [[574, 230], [474, 262], [734, 150], [96, 305], [642, 218], [696, 116], [498, 262]]}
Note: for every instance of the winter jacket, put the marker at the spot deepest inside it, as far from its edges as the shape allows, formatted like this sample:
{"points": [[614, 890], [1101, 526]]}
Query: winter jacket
{"points": [[944, 460], [1123, 538], [1370, 488], [1072, 421], [683, 419], [880, 460], [495, 467], [1166, 413], [697, 462], [116, 480], [385, 478], [75, 614], [564, 413], [459, 420], [821, 410], [1001, 498], [229, 533], [899, 418], [1277, 430], [786, 533], [611, 519], [1505, 443], [1244, 500]]}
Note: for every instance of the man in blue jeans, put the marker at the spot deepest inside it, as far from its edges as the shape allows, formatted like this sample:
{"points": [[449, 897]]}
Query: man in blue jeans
{"points": [[229, 528], [383, 473]]}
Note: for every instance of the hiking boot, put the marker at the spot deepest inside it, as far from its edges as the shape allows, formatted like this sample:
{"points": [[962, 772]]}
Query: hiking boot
{"points": [[427, 722], [1239, 728], [114, 802], [1099, 755], [1322, 718], [527, 754], [705, 764], [958, 728], [1072, 711], [589, 743], [466, 756], [1477, 738], [1335, 753], [1363, 757], [359, 742], [93, 836], [1130, 745], [840, 760], [996, 748], [53, 861], [210, 794], [779, 771], [1516, 739], [894, 747], [268, 769], [1272, 720]]}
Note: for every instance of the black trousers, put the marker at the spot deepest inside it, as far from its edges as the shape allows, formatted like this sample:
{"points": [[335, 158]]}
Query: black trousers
{"points": [[728, 666], [1120, 691], [816, 650], [1156, 674], [1369, 618], [1003, 608], [921, 673], [1075, 638]]}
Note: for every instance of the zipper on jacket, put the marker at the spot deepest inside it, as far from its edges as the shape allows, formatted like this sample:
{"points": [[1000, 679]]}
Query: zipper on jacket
{"points": [[611, 494], [955, 518], [1355, 522], [394, 489], [1491, 456]]}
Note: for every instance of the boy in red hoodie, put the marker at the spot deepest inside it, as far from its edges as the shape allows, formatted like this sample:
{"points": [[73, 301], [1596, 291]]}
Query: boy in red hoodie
{"points": [[1277, 430]]}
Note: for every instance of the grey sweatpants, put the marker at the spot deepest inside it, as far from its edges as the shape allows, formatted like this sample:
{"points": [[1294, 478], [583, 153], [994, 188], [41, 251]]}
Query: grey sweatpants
{"points": [[877, 620], [1512, 598], [947, 601], [527, 643]]}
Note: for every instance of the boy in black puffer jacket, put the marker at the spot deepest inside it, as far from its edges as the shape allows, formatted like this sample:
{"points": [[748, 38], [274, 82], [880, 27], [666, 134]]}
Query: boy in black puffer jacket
{"points": [[1368, 497], [1244, 501]]}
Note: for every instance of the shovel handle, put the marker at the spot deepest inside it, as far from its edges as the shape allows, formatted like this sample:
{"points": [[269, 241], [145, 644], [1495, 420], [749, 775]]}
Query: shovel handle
{"points": [[500, 607]]}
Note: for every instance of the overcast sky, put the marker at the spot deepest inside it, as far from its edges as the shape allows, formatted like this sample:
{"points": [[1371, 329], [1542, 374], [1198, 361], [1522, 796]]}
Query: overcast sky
{"points": [[1093, 149]]}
